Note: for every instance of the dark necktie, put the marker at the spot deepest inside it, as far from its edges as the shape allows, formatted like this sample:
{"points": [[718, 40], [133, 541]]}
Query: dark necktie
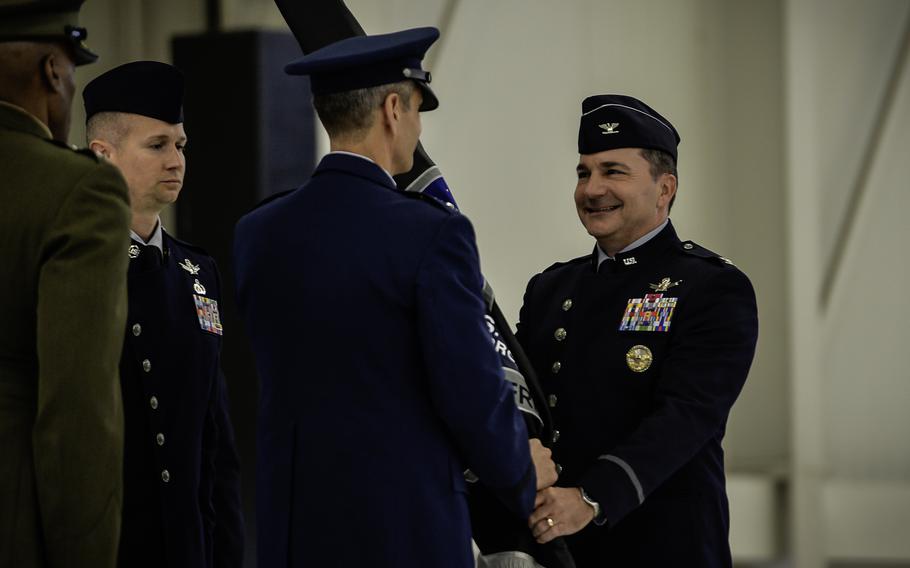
{"points": [[149, 257], [608, 266]]}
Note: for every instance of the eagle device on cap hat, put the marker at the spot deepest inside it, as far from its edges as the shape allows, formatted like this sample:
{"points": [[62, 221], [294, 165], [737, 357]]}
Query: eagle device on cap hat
{"points": [[149, 88], [46, 21], [620, 121], [369, 61]]}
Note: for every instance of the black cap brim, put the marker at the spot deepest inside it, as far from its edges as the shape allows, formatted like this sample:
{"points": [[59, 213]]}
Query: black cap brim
{"points": [[430, 102]]}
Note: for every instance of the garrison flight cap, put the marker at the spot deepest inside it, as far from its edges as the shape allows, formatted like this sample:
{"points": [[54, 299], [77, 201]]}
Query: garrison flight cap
{"points": [[620, 121], [369, 61], [149, 88], [46, 21]]}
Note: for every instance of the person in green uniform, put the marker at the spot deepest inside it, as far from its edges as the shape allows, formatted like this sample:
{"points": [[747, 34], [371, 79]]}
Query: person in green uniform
{"points": [[63, 222]]}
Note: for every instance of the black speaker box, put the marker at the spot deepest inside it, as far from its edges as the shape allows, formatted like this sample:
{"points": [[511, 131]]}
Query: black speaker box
{"points": [[251, 133]]}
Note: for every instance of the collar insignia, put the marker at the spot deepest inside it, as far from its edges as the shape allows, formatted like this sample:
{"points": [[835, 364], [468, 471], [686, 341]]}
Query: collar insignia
{"points": [[133, 251], [664, 285], [609, 127], [189, 266], [629, 261]]}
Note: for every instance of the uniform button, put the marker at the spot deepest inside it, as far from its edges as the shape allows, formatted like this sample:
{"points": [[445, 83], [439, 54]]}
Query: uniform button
{"points": [[552, 399], [160, 439], [137, 329], [153, 402], [567, 305], [555, 436], [556, 367], [450, 205], [165, 476], [560, 334], [558, 469], [146, 365], [688, 246]]}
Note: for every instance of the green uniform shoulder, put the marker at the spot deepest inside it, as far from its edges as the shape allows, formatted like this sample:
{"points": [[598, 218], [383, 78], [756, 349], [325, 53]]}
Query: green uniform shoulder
{"points": [[695, 250]]}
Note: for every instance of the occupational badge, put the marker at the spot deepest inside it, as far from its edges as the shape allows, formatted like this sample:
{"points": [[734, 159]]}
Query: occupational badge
{"points": [[651, 313], [198, 287], [189, 266], [639, 358], [207, 311], [664, 285], [133, 251]]}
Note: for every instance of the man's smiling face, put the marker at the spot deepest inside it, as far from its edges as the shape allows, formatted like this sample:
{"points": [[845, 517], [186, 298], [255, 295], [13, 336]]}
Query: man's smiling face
{"points": [[617, 198]]}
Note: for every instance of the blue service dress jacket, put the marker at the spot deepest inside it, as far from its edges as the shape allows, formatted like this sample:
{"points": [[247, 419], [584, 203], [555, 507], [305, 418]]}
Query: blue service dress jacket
{"points": [[182, 504], [379, 387], [641, 363]]}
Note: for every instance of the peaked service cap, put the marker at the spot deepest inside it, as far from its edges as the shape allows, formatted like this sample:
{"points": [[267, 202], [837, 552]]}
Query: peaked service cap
{"points": [[369, 61]]}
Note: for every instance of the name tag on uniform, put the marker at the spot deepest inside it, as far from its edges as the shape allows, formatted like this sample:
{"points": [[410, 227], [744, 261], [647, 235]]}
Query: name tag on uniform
{"points": [[207, 311], [651, 313]]}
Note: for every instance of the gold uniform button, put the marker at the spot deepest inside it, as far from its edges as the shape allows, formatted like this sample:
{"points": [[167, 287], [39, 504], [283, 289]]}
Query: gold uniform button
{"points": [[567, 305], [552, 400], [560, 334], [165, 476], [639, 358], [137, 329], [153, 402], [146, 365], [688, 246], [556, 367], [160, 439]]}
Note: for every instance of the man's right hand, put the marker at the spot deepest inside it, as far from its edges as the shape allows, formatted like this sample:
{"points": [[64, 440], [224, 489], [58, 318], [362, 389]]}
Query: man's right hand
{"points": [[543, 464]]}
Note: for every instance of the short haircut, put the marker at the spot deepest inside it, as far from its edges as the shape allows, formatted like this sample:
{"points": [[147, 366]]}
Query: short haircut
{"points": [[661, 163], [107, 126], [350, 113]]}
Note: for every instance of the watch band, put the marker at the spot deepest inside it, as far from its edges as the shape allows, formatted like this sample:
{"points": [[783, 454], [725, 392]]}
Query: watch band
{"points": [[598, 512]]}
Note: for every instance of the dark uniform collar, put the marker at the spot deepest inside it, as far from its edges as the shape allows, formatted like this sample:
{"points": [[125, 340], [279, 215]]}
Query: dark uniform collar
{"points": [[19, 119], [355, 165], [631, 259]]}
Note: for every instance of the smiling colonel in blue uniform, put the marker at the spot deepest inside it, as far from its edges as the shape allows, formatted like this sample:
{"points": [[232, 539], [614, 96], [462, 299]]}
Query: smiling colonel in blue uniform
{"points": [[181, 472], [642, 346]]}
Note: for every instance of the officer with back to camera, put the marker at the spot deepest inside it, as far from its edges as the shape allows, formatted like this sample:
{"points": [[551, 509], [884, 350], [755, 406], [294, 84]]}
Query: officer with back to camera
{"points": [[63, 219], [364, 306]]}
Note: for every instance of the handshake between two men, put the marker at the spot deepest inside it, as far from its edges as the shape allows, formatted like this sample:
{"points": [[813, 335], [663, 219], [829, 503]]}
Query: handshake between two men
{"points": [[558, 511]]}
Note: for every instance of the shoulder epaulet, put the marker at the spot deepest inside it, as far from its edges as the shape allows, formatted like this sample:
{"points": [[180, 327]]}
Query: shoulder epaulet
{"points": [[695, 249], [431, 200], [76, 150], [579, 260], [195, 248]]}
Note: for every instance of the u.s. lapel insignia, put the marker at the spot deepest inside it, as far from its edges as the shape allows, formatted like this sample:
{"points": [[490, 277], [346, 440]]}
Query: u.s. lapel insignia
{"points": [[133, 251], [207, 312], [193, 269], [664, 285], [639, 358], [629, 261], [198, 287], [651, 313]]}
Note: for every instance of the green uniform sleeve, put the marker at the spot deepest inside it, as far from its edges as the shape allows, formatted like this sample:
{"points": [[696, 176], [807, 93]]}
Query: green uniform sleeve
{"points": [[78, 432]]}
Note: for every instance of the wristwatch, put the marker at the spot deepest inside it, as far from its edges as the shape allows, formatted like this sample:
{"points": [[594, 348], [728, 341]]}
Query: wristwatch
{"points": [[598, 513]]}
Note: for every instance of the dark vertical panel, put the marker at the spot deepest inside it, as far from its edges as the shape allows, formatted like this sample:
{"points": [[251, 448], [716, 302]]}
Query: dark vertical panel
{"points": [[251, 134]]}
